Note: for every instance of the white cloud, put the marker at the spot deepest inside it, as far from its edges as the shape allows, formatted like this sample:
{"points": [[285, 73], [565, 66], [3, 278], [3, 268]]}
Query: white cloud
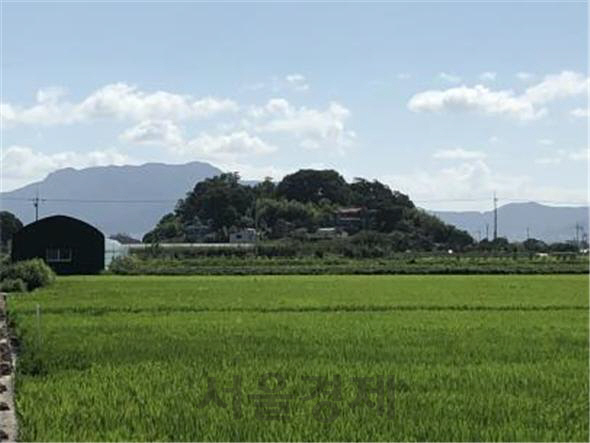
{"points": [[494, 139], [403, 76], [297, 81], [451, 78], [117, 100], [557, 86], [470, 186], [469, 180], [153, 132], [579, 112], [22, 165], [314, 128], [225, 146], [487, 76], [458, 153], [546, 141], [479, 98], [524, 76]]}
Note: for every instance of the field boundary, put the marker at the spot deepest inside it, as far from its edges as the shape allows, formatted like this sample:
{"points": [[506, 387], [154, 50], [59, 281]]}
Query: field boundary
{"points": [[8, 421], [306, 309]]}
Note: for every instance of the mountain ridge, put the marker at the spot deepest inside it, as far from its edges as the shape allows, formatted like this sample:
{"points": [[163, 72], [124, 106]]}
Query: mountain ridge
{"points": [[95, 194]]}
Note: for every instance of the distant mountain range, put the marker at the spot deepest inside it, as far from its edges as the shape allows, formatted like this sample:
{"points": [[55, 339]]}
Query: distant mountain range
{"points": [[547, 223], [94, 194], [131, 199]]}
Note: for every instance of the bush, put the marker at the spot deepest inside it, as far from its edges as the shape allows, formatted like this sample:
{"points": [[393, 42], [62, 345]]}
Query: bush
{"points": [[126, 264], [34, 273], [13, 285]]}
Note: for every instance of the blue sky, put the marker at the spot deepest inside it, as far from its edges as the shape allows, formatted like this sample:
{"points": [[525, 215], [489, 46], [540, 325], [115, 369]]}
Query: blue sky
{"points": [[445, 101]]}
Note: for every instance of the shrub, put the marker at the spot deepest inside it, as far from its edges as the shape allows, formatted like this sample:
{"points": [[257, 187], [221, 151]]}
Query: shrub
{"points": [[126, 264], [13, 285], [34, 273]]}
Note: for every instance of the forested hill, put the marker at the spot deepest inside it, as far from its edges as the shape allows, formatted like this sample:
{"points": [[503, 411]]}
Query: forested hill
{"points": [[299, 206]]}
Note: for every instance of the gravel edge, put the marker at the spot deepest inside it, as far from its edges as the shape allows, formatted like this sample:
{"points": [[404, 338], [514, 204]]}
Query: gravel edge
{"points": [[8, 421]]}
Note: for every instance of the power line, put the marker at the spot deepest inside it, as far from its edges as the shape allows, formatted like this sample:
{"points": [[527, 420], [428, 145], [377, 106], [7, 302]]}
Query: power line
{"points": [[79, 200], [174, 200]]}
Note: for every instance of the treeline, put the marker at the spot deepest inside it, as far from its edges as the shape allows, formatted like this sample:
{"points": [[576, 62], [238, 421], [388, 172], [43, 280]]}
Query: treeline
{"points": [[306, 205]]}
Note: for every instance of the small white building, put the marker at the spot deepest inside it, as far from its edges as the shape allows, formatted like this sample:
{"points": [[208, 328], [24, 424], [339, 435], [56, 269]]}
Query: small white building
{"points": [[247, 235]]}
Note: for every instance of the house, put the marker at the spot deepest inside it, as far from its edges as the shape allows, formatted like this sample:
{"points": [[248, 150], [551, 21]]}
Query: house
{"points": [[66, 244], [247, 235], [352, 219]]}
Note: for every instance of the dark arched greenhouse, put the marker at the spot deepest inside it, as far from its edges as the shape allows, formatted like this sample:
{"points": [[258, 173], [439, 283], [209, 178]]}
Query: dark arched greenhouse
{"points": [[68, 245]]}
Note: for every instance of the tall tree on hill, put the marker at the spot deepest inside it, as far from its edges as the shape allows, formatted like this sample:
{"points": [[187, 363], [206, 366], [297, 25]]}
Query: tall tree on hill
{"points": [[374, 194], [313, 186], [220, 201]]}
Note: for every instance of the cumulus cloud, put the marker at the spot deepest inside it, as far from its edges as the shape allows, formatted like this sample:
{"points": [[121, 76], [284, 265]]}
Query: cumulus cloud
{"points": [[478, 98], [546, 141], [471, 184], [22, 165], [557, 86], [118, 101], [487, 76], [225, 146], [297, 81], [451, 78], [153, 132], [527, 106], [458, 153], [465, 181], [313, 127]]}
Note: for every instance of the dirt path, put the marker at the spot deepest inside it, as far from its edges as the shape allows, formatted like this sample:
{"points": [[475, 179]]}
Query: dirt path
{"points": [[8, 424]]}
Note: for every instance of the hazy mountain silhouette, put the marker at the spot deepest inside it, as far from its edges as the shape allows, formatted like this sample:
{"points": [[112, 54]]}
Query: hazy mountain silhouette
{"points": [[156, 186], [547, 223]]}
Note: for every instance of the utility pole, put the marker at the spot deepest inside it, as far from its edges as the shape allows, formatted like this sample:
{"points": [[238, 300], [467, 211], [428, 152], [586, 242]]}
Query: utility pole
{"points": [[578, 228], [495, 216], [36, 205], [36, 200], [487, 231]]}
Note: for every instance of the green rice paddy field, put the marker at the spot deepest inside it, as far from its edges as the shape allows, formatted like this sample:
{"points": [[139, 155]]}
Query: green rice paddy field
{"points": [[471, 358]]}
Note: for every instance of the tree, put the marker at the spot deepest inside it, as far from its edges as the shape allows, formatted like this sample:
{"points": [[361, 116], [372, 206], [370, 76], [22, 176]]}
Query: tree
{"points": [[221, 201], [313, 186], [373, 195], [278, 217], [265, 189], [168, 228], [534, 245], [9, 224]]}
